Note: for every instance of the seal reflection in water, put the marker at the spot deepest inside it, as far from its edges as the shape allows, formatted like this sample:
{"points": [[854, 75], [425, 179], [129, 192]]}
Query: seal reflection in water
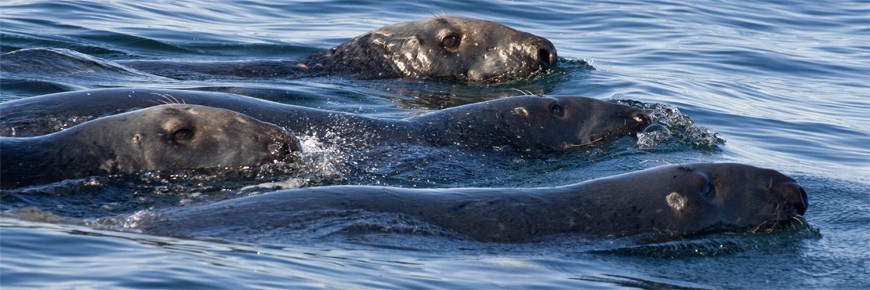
{"points": [[669, 201], [524, 123], [165, 137]]}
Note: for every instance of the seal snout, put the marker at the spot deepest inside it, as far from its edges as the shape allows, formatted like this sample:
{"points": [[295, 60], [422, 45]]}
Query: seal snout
{"points": [[795, 196], [801, 207], [640, 119], [546, 52], [285, 145], [637, 121]]}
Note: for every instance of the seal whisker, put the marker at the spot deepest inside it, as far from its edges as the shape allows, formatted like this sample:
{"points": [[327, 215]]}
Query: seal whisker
{"points": [[590, 143], [440, 16], [525, 92], [169, 99], [174, 99], [799, 220]]}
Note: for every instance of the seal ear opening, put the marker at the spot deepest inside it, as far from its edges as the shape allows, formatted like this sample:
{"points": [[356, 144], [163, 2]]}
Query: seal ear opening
{"points": [[676, 201], [521, 111]]}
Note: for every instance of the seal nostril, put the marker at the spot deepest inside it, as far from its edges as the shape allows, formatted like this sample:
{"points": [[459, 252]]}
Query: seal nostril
{"points": [[802, 207], [546, 53], [544, 57], [641, 120]]}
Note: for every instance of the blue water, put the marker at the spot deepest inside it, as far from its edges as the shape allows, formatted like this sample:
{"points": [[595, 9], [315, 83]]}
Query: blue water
{"points": [[784, 83]]}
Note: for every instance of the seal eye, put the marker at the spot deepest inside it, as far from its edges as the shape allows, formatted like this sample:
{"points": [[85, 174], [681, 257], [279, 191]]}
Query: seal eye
{"points": [[708, 190], [451, 42], [182, 135], [557, 110]]}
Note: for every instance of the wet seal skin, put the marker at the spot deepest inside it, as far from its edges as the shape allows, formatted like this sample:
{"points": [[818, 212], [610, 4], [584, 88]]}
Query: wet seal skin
{"points": [[440, 48], [667, 201], [164, 137], [522, 123], [449, 49]]}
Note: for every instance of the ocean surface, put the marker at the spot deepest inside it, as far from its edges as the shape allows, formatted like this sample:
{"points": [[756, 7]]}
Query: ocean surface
{"points": [[776, 84]]}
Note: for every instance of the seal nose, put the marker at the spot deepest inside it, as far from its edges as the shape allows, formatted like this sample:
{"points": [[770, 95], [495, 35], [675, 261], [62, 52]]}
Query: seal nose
{"points": [[795, 196], [545, 52], [801, 208], [639, 120], [284, 144]]}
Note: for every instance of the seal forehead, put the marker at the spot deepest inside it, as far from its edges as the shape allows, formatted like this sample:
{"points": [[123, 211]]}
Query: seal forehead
{"points": [[685, 168], [241, 119], [171, 111], [174, 123], [191, 110], [441, 20]]}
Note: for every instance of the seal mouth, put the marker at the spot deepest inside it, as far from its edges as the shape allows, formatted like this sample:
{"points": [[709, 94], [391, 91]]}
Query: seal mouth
{"points": [[787, 215], [793, 222]]}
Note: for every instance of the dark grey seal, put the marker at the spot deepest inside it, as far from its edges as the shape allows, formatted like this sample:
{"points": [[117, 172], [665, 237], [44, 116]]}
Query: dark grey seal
{"points": [[667, 201], [439, 48], [165, 137], [523, 123]]}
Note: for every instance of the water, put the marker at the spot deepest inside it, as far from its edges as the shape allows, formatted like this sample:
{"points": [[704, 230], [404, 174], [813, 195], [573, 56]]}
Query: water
{"points": [[783, 83]]}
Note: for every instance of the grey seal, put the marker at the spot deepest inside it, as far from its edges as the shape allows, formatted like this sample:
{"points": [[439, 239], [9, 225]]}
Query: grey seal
{"points": [[164, 137], [450, 49], [522, 123], [667, 201]]}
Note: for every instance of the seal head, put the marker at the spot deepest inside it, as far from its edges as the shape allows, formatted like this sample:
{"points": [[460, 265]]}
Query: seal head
{"points": [[191, 136], [696, 199], [164, 137], [533, 123], [441, 48], [563, 123]]}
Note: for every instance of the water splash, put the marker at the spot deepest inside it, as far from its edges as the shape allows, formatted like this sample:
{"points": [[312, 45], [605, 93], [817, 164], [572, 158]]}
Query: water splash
{"points": [[672, 126]]}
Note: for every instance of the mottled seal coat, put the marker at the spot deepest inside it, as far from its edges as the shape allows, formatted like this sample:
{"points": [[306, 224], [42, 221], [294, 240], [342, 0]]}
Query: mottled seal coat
{"points": [[439, 48], [165, 137], [525, 123], [668, 201]]}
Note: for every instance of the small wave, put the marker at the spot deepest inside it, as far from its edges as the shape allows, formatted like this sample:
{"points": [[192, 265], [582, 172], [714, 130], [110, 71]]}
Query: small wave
{"points": [[678, 129], [717, 244], [62, 62]]}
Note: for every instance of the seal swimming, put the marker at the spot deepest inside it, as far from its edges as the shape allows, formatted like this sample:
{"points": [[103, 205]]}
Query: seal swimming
{"points": [[667, 201], [164, 137], [524, 123], [439, 48]]}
